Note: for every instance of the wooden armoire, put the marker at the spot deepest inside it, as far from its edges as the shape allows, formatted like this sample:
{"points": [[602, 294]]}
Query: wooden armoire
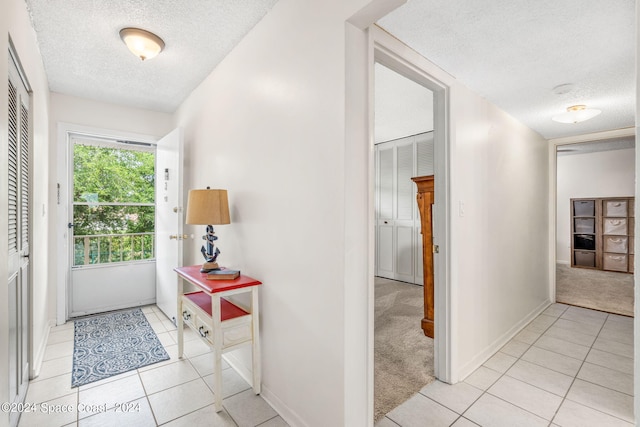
{"points": [[425, 198]]}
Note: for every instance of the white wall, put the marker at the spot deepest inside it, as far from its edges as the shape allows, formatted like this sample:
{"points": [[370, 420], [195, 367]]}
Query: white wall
{"points": [[86, 112], [402, 106], [499, 176], [268, 125], [82, 113], [600, 174], [14, 21], [498, 223], [494, 274]]}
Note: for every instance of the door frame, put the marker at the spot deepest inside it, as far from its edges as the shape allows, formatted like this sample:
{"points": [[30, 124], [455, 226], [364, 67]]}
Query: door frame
{"points": [[554, 143], [396, 56], [62, 262]]}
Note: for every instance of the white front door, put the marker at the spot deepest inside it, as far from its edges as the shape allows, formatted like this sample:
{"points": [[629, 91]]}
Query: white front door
{"points": [[169, 220], [112, 208]]}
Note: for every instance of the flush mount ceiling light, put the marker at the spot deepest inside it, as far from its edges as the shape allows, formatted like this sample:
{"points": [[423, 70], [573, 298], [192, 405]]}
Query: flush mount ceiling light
{"points": [[143, 44], [576, 114]]}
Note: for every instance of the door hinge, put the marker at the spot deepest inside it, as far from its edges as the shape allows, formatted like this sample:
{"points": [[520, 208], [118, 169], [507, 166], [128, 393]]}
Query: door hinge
{"points": [[436, 249]]}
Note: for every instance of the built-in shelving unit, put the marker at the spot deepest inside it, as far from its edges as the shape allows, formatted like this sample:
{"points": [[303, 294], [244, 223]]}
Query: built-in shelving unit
{"points": [[602, 233]]}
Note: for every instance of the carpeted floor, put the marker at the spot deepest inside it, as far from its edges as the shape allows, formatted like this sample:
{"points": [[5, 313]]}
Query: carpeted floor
{"points": [[403, 356], [600, 290]]}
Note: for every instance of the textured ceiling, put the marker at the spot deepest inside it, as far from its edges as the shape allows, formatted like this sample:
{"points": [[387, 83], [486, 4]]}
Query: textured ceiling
{"points": [[514, 52], [83, 55]]}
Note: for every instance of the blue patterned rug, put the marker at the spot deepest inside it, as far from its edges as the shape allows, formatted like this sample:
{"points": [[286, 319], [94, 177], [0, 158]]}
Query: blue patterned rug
{"points": [[113, 343]]}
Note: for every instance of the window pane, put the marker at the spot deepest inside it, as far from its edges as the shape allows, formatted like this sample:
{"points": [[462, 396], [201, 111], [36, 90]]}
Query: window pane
{"points": [[92, 220], [105, 174]]}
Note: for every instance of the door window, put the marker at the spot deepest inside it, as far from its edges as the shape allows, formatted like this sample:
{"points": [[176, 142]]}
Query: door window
{"points": [[113, 202]]}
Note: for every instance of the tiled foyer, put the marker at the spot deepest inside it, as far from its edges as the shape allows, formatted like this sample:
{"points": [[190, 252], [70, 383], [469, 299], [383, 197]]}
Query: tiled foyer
{"points": [[570, 367], [172, 393]]}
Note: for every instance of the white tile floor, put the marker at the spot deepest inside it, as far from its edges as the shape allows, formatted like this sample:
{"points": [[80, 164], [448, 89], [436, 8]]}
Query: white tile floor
{"points": [[171, 393], [570, 367]]}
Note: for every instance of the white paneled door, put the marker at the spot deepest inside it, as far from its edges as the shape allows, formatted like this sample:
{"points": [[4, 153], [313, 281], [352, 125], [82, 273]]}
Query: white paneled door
{"points": [[398, 240], [19, 215], [169, 220]]}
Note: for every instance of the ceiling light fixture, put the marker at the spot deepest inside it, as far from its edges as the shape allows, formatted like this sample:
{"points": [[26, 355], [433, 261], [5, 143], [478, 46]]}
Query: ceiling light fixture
{"points": [[576, 114], [143, 44]]}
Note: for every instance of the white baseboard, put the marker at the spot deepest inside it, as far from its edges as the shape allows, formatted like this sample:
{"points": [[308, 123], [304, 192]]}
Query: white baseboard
{"points": [[280, 407], [482, 357], [289, 416], [38, 354], [562, 262]]}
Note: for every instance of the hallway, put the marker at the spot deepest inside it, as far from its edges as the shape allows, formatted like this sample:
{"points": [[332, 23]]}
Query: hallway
{"points": [[570, 367]]}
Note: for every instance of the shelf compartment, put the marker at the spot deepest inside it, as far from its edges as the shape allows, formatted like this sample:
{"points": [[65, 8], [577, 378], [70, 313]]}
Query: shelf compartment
{"points": [[584, 207], [616, 226], [616, 244], [584, 259], [615, 208], [584, 241], [584, 225], [614, 262]]}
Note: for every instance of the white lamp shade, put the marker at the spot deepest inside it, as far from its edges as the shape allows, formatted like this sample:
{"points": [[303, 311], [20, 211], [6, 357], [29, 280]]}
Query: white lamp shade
{"points": [[576, 114], [208, 207], [143, 44]]}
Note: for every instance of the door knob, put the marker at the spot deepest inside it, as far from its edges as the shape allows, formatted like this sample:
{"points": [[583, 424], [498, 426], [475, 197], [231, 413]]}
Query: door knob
{"points": [[178, 236]]}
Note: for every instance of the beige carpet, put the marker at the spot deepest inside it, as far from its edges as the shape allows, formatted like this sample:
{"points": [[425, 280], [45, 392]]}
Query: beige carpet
{"points": [[403, 356], [600, 290]]}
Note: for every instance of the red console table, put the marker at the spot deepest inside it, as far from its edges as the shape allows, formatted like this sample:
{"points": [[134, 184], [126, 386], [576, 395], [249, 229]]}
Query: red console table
{"points": [[221, 324]]}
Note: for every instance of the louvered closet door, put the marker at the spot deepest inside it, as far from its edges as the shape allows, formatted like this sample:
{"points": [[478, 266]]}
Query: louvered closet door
{"points": [[18, 260], [404, 223], [384, 214]]}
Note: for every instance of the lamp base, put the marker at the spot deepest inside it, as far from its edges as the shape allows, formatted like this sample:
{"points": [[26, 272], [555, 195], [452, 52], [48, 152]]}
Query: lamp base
{"points": [[208, 266]]}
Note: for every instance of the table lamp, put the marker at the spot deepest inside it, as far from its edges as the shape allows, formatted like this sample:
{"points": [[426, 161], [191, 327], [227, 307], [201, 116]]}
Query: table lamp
{"points": [[208, 207]]}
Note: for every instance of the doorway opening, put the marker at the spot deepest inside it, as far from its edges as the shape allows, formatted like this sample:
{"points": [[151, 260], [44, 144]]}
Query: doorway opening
{"points": [[404, 149], [111, 224], [595, 185]]}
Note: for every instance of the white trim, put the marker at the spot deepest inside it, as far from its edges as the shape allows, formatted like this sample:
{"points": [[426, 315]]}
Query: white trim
{"points": [[553, 190], [395, 55], [285, 411], [38, 356], [63, 176], [495, 346]]}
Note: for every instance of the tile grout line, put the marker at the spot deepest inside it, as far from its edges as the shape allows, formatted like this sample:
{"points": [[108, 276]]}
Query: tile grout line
{"points": [[503, 374], [575, 377], [486, 391], [146, 396], [532, 344], [564, 398]]}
